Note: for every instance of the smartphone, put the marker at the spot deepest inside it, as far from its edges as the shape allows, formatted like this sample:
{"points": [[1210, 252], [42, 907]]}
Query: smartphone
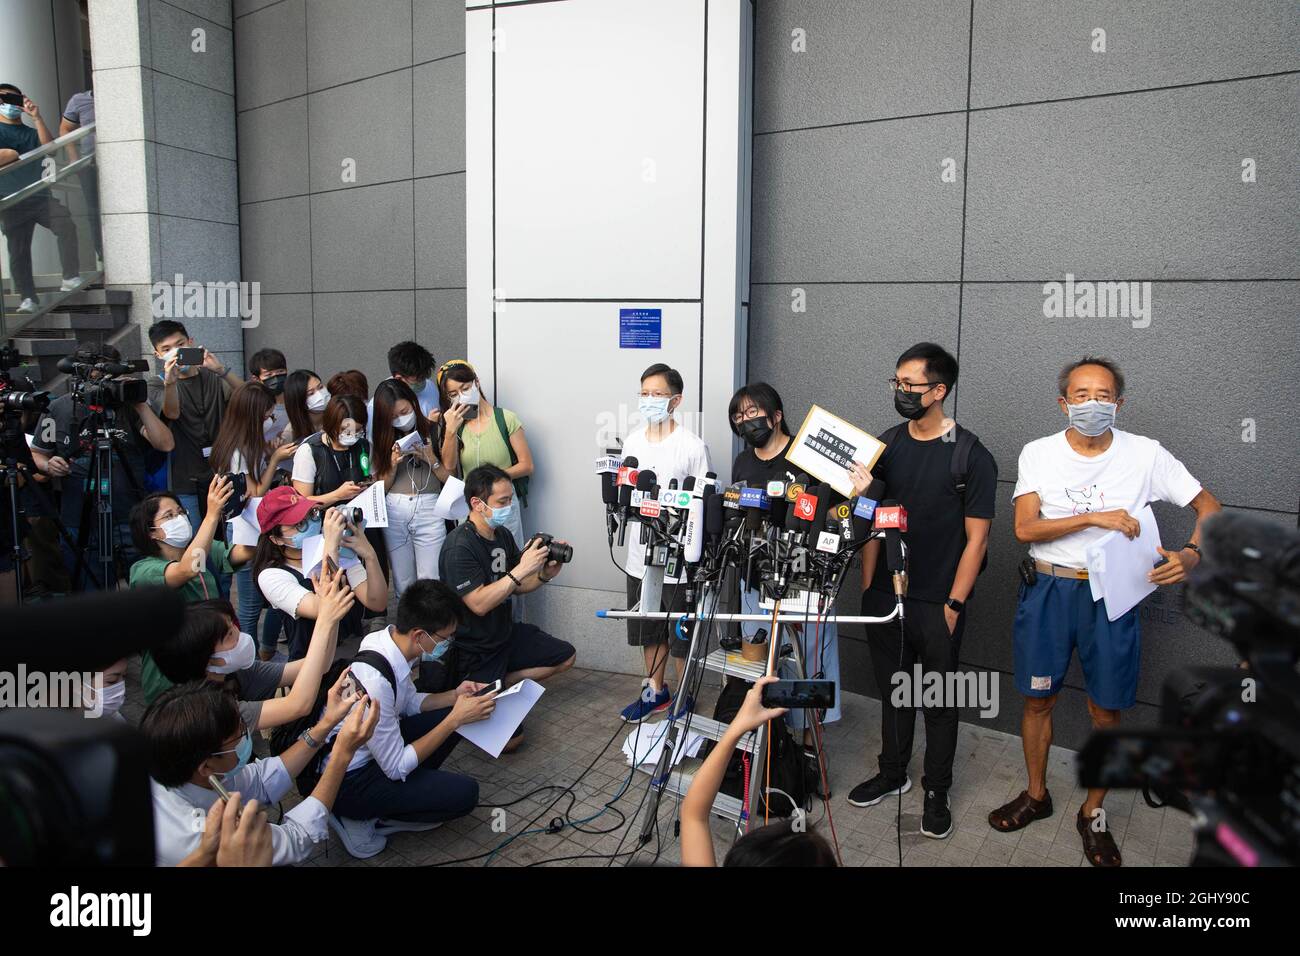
{"points": [[800, 694], [471, 412], [491, 688], [351, 686], [189, 356], [329, 563]]}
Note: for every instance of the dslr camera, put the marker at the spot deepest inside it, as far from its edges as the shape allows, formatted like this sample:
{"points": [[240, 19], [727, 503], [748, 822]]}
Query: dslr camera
{"points": [[557, 552], [95, 382], [234, 505]]}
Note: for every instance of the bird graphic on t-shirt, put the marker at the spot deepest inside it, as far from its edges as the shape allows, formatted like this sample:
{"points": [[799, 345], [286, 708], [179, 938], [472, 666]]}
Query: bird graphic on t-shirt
{"points": [[1083, 499]]}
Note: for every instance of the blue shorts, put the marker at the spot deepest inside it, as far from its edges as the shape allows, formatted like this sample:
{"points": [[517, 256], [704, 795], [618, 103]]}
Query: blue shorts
{"points": [[1056, 615]]}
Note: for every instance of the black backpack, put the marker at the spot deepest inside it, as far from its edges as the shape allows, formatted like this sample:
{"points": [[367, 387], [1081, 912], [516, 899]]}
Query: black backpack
{"points": [[960, 465], [790, 773], [286, 735]]}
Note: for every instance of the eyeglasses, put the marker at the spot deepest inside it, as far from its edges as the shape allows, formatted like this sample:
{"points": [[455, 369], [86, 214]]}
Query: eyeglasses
{"points": [[899, 386], [164, 516], [316, 514], [656, 395], [748, 414], [243, 732]]}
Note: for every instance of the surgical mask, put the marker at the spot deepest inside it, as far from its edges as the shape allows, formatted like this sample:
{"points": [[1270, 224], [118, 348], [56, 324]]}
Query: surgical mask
{"points": [[908, 404], [347, 440], [177, 531], [470, 396], [300, 537], [242, 752], [10, 111], [111, 699], [655, 410], [439, 649], [404, 422], [1092, 418], [236, 658], [756, 432], [317, 400], [500, 516]]}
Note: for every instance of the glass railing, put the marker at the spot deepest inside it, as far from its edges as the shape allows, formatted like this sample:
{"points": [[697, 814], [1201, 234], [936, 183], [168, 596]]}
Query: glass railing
{"points": [[50, 240]]}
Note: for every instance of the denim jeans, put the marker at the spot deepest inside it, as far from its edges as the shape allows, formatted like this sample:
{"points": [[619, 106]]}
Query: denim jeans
{"points": [[427, 795], [414, 538]]}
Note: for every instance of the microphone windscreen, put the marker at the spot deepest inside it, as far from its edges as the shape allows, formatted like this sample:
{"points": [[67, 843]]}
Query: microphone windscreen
{"points": [[823, 492], [713, 522], [645, 480]]}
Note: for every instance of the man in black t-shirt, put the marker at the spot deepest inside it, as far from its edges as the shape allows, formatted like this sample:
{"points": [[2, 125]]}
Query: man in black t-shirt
{"points": [[482, 564], [947, 535]]}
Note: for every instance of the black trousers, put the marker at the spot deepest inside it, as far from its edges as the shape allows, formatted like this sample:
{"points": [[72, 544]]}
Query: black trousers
{"points": [[19, 222], [925, 639]]}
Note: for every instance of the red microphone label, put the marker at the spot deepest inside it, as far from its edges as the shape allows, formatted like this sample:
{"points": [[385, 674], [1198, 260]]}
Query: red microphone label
{"points": [[650, 508], [805, 506], [895, 516], [627, 476]]}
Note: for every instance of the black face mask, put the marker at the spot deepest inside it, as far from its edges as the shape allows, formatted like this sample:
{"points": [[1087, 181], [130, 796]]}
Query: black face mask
{"points": [[275, 383], [908, 404], [756, 432]]}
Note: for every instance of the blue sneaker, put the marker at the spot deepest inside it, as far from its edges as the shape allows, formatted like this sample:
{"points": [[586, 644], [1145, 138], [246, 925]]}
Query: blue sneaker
{"points": [[646, 705], [686, 707]]}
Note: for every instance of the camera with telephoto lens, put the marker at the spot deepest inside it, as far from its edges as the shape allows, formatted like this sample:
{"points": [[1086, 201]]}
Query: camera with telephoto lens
{"points": [[13, 401], [557, 552], [95, 383], [234, 505]]}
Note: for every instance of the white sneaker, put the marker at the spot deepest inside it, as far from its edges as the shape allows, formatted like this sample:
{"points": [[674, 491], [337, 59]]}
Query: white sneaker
{"points": [[29, 306], [358, 836], [71, 285], [385, 827]]}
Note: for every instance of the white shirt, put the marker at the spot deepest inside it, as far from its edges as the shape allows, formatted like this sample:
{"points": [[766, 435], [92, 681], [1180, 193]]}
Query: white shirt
{"points": [[1133, 472], [680, 455], [396, 758], [179, 814], [282, 590], [304, 465]]}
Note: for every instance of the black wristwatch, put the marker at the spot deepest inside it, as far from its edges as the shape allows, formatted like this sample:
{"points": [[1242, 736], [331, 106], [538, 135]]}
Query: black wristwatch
{"points": [[956, 605], [1193, 547]]}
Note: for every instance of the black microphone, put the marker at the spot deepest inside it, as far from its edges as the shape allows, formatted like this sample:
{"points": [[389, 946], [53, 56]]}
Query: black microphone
{"points": [[713, 521], [645, 483], [69, 365], [823, 493], [892, 518]]}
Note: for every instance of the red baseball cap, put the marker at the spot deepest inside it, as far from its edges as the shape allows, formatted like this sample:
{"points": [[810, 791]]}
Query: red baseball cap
{"points": [[282, 505]]}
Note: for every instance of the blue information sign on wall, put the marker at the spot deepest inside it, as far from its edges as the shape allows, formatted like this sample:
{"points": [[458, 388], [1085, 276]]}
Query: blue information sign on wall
{"points": [[640, 328]]}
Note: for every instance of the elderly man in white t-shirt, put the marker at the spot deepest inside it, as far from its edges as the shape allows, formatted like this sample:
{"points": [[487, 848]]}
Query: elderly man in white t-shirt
{"points": [[670, 451], [1072, 488]]}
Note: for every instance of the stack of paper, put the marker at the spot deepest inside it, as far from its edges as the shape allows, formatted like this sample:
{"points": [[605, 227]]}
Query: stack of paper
{"points": [[647, 742], [1118, 566], [512, 706]]}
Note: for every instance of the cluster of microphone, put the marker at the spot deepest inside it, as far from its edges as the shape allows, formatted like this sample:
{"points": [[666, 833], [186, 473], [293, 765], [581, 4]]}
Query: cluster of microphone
{"points": [[787, 536]]}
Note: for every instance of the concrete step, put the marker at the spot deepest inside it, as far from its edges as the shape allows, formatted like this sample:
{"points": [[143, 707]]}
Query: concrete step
{"points": [[76, 321]]}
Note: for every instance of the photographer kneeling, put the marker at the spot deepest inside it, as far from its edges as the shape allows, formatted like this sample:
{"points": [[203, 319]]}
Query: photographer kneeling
{"points": [[484, 566], [108, 404]]}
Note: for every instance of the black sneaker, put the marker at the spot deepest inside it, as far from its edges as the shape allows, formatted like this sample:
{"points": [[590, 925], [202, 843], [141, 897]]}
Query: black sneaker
{"points": [[936, 818], [876, 789]]}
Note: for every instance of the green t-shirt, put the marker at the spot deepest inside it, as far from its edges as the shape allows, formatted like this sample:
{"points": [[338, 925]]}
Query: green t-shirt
{"points": [[487, 448], [151, 571]]}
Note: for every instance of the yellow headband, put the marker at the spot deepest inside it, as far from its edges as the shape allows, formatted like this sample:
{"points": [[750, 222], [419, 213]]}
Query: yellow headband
{"points": [[448, 366]]}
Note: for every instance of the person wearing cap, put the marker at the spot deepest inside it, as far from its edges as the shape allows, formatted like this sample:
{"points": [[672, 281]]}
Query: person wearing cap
{"points": [[288, 521]]}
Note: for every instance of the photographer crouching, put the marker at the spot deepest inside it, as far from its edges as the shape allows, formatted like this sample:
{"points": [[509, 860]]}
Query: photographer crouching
{"points": [[484, 566], [95, 439]]}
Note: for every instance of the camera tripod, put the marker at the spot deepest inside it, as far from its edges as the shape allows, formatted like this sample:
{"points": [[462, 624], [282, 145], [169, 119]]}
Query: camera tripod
{"points": [[102, 441]]}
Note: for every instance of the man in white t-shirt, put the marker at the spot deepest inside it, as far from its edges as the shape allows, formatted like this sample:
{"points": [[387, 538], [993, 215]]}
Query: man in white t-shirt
{"points": [[670, 451], [1072, 488]]}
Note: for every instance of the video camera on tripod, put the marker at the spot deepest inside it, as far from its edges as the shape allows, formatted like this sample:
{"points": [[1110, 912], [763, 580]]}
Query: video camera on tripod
{"points": [[1229, 737], [95, 381]]}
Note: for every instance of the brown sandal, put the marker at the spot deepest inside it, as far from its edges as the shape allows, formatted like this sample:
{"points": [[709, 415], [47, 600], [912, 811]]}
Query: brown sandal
{"points": [[1098, 845], [1020, 812]]}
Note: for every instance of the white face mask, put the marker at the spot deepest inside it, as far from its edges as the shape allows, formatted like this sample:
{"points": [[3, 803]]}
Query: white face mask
{"points": [[177, 531], [236, 658], [348, 439], [112, 699], [470, 396], [404, 422], [317, 400]]}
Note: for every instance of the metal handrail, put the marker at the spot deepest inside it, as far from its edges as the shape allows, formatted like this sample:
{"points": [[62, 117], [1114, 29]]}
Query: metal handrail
{"points": [[49, 148]]}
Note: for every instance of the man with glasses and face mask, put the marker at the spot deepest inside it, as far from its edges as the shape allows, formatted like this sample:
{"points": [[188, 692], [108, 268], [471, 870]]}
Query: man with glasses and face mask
{"points": [[393, 783], [1072, 488], [947, 482], [671, 451], [195, 733]]}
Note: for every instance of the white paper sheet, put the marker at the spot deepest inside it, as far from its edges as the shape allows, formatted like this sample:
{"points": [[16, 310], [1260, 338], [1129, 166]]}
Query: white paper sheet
{"points": [[1120, 565], [410, 442], [513, 705], [373, 505], [451, 500], [313, 552], [648, 740], [245, 528]]}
